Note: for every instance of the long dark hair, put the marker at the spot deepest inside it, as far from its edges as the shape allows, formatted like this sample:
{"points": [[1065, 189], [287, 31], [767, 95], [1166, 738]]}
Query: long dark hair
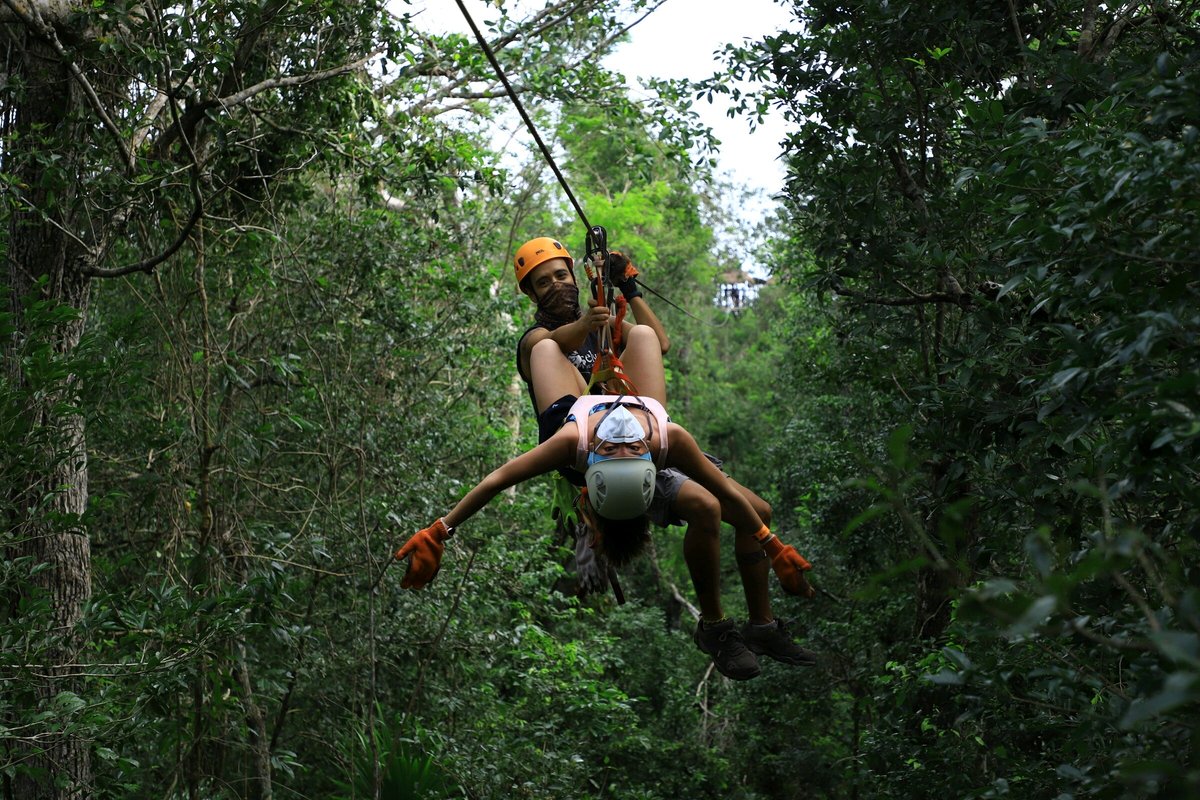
{"points": [[622, 540]]}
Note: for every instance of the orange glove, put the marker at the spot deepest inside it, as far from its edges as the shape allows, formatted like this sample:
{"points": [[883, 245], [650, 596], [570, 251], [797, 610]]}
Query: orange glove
{"points": [[623, 274], [788, 564], [426, 549]]}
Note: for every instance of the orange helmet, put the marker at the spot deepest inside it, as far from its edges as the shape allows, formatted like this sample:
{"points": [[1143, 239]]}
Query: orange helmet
{"points": [[535, 251]]}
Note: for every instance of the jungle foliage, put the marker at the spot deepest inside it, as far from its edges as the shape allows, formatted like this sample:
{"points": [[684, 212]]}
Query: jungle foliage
{"points": [[259, 327], [993, 211]]}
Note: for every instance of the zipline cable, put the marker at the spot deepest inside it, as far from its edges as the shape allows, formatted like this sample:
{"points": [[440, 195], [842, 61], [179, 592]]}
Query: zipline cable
{"points": [[491, 57], [592, 232]]}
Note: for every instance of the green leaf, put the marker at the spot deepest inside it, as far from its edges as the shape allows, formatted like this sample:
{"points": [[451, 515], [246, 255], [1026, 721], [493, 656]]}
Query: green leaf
{"points": [[1179, 689], [1035, 615], [1180, 646]]}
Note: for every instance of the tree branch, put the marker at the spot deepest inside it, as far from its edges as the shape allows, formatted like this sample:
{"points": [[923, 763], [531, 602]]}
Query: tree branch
{"points": [[1124, 19], [238, 98], [913, 300], [149, 264]]}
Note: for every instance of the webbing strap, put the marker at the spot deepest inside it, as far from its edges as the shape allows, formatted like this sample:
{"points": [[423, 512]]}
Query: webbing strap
{"points": [[618, 333], [609, 374]]}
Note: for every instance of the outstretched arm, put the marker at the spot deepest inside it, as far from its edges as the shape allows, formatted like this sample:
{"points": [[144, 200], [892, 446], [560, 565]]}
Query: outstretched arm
{"points": [[557, 451], [424, 548]]}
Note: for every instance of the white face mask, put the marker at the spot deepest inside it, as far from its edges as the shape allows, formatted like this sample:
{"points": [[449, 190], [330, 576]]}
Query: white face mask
{"points": [[620, 427]]}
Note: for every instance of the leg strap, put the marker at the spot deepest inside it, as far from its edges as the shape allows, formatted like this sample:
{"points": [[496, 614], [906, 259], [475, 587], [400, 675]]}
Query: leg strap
{"points": [[750, 559]]}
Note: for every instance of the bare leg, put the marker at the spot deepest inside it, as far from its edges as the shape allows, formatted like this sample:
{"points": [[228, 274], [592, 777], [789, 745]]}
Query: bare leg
{"points": [[753, 566], [697, 507], [553, 375], [643, 363]]}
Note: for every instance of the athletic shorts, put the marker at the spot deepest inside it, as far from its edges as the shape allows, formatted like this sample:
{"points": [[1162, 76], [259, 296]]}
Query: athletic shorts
{"points": [[666, 485], [549, 421], [666, 489]]}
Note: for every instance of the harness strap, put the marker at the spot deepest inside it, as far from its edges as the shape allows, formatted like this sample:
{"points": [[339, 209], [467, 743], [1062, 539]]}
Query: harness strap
{"points": [[618, 333], [609, 374]]}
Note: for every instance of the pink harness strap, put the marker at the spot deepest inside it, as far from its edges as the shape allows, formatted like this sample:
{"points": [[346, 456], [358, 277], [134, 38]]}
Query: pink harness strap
{"points": [[582, 409]]}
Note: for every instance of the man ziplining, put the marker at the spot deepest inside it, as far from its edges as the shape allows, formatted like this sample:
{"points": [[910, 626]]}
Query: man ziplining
{"points": [[616, 446], [556, 357], [601, 450]]}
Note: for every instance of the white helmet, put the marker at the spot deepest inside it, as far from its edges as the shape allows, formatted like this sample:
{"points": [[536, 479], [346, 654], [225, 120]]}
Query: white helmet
{"points": [[621, 488]]}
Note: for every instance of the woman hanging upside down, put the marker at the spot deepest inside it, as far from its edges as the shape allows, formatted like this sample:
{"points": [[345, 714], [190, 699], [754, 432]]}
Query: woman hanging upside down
{"points": [[614, 446]]}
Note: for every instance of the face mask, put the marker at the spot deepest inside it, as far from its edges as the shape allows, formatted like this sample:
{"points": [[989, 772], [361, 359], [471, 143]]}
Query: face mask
{"points": [[620, 427], [594, 457], [560, 300]]}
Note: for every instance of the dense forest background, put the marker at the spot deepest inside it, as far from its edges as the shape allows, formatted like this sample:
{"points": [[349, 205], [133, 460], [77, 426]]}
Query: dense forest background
{"points": [[258, 328]]}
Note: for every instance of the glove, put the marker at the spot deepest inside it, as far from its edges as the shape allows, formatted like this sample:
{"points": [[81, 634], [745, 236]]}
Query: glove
{"points": [[788, 564], [426, 549], [623, 273]]}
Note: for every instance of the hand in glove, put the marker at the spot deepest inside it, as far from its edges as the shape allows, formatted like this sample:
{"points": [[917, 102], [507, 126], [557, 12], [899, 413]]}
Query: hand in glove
{"points": [[426, 549], [788, 564], [623, 274]]}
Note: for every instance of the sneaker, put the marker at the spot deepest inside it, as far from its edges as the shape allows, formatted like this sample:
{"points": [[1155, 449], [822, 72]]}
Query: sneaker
{"points": [[775, 641], [722, 641]]}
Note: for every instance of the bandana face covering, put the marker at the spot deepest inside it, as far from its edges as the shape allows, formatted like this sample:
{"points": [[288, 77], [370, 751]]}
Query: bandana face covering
{"points": [[559, 305]]}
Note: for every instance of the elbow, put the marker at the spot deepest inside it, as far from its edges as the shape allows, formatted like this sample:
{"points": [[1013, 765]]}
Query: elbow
{"points": [[664, 343]]}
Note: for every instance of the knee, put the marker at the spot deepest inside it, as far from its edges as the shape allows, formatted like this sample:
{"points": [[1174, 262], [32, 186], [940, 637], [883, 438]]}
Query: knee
{"points": [[641, 335], [543, 349], [698, 508], [764, 511], [545, 357]]}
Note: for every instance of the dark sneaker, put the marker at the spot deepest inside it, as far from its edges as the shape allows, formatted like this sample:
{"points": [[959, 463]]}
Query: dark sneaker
{"points": [[775, 641], [722, 641]]}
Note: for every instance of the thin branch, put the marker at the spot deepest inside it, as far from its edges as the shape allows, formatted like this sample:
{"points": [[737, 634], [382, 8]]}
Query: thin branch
{"points": [[437, 640], [913, 524], [1123, 20], [237, 98], [683, 601], [1107, 641], [149, 264], [297, 564], [449, 90], [1138, 600], [147, 122], [914, 300], [1174, 262], [1016, 26]]}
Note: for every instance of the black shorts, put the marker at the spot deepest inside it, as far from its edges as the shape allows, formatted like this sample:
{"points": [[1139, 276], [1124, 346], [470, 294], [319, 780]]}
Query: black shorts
{"points": [[666, 489], [549, 421]]}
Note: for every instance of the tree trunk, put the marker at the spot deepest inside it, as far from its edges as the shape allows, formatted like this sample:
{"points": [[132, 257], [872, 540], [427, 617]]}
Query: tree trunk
{"points": [[50, 494]]}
